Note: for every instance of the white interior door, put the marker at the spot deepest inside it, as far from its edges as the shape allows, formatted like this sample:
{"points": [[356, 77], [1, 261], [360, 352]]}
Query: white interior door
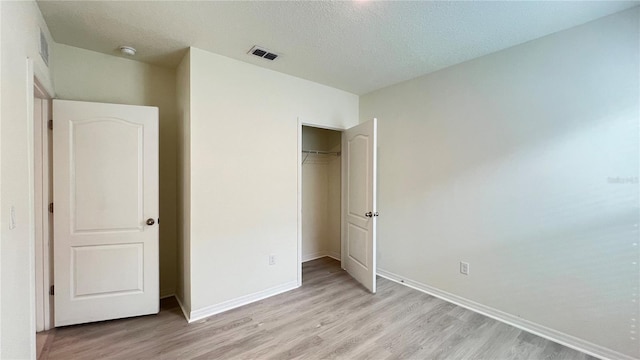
{"points": [[105, 174], [359, 203]]}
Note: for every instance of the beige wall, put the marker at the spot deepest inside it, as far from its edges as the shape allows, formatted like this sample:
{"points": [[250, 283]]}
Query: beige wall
{"points": [[20, 39], [314, 138], [243, 156], [334, 206], [183, 84], [2, 228], [510, 162], [85, 75], [315, 211]]}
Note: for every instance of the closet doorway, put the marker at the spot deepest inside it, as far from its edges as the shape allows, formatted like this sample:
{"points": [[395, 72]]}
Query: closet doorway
{"points": [[321, 193], [337, 212]]}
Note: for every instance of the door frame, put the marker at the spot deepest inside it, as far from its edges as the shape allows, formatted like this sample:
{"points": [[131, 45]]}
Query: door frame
{"points": [[302, 123], [41, 197]]}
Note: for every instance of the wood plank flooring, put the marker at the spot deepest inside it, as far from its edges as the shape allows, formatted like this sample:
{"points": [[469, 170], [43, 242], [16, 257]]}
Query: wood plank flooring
{"points": [[330, 317]]}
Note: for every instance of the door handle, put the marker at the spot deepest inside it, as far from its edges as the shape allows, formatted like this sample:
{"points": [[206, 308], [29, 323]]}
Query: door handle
{"points": [[370, 214], [150, 221]]}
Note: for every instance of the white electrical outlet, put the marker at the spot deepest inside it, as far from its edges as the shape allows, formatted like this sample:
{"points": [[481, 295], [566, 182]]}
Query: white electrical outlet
{"points": [[272, 259], [464, 268]]}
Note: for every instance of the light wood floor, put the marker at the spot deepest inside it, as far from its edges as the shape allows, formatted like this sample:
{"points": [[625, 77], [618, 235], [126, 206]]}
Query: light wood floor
{"points": [[330, 316]]}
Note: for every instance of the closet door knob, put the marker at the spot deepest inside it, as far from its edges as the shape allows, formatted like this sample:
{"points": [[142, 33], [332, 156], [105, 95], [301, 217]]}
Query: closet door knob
{"points": [[368, 214], [150, 222]]}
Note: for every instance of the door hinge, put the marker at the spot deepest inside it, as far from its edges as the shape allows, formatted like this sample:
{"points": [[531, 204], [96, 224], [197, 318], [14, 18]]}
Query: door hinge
{"points": [[51, 208], [52, 290], [50, 124]]}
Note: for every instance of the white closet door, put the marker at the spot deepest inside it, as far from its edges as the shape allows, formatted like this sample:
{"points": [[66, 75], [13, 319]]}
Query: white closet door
{"points": [[106, 211], [359, 203]]}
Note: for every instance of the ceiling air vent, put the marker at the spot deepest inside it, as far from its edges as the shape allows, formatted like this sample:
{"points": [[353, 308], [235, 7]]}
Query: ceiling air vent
{"points": [[263, 53]]}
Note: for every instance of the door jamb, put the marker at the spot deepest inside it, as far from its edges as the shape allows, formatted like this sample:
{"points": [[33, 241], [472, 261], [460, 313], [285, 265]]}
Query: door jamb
{"points": [[299, 210], [41, 199]]}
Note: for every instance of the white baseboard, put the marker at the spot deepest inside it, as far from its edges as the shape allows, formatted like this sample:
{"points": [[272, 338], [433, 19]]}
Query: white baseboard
{"points": [[320, 254], [167, 294], [185, 312], [313, 256], [531, 327], [237, 302]]}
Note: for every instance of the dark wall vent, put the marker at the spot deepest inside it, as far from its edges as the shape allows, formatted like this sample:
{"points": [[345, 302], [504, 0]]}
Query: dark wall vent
{"points": [[270, 56], [263, 53]]}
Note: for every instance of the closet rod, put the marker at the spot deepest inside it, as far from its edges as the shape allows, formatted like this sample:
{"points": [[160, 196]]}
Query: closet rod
{"points": [[337, 153]]}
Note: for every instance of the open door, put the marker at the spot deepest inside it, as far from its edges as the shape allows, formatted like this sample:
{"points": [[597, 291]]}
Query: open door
{"points": [[105, 174], [359, 211]]}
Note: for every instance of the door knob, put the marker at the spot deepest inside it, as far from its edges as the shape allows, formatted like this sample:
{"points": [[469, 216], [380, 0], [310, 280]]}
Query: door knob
{"points": [[368, 214], [150, 222]]}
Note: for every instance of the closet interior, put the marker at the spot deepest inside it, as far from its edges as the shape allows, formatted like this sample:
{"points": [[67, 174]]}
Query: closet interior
{"points": [[321, 193]]}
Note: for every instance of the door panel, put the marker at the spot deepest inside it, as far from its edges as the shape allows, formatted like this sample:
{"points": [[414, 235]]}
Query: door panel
{"points": [[105, 188], [93, 274], [359, 199], [359, 203], [101, 201], [357, 244]]}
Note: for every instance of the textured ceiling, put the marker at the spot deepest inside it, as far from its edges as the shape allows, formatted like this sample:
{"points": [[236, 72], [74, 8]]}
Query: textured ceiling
{"points": [[357, 46]]}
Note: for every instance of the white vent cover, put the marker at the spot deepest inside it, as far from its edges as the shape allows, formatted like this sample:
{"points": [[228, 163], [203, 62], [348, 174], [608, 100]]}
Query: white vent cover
{"points": [[259, 51]]}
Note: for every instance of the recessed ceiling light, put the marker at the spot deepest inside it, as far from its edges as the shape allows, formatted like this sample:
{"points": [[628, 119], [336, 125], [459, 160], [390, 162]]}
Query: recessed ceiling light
{"points": [[127, 50]]}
